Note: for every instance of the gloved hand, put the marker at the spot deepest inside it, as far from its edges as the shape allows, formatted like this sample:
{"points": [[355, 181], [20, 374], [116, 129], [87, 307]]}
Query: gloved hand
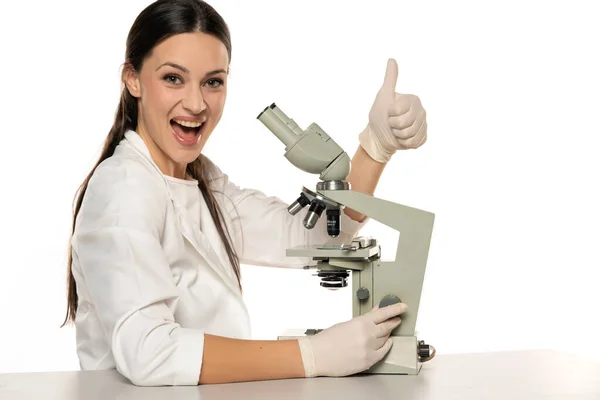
{"points": [[396, 121], [353, 346]]}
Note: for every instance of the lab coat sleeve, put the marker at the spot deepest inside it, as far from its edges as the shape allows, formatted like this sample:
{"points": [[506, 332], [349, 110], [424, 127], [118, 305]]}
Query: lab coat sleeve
{"points": [[263, 228], [117, 247]]}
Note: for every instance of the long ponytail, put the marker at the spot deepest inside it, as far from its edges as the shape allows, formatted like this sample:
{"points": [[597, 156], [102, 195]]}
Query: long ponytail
{"points": [[199, 171]]}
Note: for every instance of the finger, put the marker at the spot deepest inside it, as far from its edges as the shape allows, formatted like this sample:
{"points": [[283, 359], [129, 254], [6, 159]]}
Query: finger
{"points": [[385, 328], [402, 122], [387, 312], [421, 133], [376, 344], [412, 130], [401, 105], [422, 142], [383, 350], [391, 76], [417, 139]]}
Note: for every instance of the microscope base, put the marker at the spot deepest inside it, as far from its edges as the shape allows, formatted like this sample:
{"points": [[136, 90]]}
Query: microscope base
{"points": [[402, 359]]}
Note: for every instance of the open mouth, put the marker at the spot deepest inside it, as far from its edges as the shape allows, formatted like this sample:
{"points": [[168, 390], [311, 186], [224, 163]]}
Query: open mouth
{"points": [[186, 130], [187, 133]]}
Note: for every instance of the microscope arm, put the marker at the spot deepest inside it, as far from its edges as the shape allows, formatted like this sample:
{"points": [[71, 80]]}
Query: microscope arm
{"points": [[415, 227], [416, 224]]}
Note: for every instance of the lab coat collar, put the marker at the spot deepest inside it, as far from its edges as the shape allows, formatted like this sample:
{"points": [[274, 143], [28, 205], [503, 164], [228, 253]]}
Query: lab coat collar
{"points": [[134, 139], [191, 233]]}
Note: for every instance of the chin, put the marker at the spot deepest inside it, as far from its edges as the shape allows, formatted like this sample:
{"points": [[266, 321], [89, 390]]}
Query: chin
{"points": [[186, 157]]}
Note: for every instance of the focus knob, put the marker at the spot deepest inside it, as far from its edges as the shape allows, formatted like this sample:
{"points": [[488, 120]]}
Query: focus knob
{"points": [[389, 300], [362, 293]]}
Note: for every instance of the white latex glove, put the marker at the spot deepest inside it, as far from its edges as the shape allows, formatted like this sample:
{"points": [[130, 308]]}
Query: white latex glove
{"points": [[353, 346], [396, 121]]}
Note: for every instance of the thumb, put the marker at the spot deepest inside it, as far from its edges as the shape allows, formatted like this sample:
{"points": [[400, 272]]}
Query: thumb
{"points": [[391, 76]]}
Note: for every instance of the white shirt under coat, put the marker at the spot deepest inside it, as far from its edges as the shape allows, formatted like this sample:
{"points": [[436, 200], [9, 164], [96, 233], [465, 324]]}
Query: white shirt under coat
{"points": [[152, 274]]}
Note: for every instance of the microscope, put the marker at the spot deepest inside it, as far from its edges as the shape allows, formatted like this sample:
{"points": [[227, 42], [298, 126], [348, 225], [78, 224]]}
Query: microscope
{"points": [[374, 282]]}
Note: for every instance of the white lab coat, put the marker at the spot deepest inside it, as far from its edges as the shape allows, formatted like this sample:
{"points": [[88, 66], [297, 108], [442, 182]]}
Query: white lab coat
{"points": [[152, 275]]}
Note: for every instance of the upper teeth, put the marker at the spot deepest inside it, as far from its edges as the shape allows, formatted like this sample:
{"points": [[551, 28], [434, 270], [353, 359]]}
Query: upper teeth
{"points": [[189, 124]]}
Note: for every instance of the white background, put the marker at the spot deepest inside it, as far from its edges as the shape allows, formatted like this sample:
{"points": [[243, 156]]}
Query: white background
{"points": [[510, 168]]}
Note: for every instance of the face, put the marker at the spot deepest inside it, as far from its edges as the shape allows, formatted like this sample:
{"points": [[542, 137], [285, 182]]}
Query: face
{"points": [[181, 90]]}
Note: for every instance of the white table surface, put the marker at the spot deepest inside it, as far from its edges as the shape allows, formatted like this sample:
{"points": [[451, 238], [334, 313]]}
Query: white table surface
{"points": [[531, 375]]}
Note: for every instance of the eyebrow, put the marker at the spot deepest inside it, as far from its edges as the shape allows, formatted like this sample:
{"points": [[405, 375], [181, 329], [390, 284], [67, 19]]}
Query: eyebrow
{"points": [[187, 71]]}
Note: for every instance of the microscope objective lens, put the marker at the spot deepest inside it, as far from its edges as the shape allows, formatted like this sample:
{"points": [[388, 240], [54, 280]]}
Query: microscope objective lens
{"points": [[299, 204], [333, 222], [313, 214]]}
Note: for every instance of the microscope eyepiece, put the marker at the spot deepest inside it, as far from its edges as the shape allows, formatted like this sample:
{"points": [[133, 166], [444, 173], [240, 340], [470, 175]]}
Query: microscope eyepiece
{"points": [[313, 214], [333, 222]]}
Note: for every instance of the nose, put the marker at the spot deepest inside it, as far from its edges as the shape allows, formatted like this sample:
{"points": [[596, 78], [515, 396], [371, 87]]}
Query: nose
{"points": [[193, 101]]}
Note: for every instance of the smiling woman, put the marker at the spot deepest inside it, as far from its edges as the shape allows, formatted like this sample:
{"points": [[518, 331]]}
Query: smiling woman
{"points": [[187, 129], [159, 231], [183, 96]]}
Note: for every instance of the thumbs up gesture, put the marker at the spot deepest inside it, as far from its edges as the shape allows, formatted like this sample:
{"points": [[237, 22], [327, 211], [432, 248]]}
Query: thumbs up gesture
{"points": [[396, 121]]}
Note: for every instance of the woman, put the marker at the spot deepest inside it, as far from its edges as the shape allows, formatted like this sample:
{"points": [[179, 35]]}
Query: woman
{"points": [[159, 231]]}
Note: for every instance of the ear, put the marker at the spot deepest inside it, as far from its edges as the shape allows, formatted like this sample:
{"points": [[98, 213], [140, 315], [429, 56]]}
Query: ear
{"points": [[131, 80]]}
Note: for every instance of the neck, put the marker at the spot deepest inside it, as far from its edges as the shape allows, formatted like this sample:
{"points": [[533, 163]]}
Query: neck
{"points": [[166, 166]]}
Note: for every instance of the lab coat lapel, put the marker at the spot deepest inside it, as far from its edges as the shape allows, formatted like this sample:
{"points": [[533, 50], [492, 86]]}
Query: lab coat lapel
{"points": [[188, 228], [203, 246]]}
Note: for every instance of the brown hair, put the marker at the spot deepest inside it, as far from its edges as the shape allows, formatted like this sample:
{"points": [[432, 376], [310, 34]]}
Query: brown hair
{"points": [[159, 21]]}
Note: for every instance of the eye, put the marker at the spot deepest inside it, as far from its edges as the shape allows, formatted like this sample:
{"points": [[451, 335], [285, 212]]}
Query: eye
{"points": [[173, 79], [214, 83]]}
